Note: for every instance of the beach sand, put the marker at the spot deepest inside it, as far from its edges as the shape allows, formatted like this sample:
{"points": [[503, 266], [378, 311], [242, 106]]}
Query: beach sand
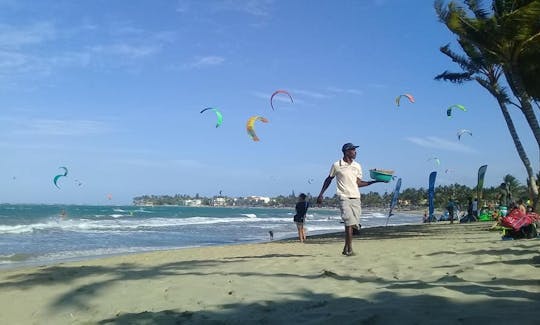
{"points": [[416, 274]]}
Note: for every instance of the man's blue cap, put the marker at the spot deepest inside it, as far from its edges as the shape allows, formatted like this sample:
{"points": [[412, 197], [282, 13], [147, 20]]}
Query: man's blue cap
{"points": [[348, 146]]}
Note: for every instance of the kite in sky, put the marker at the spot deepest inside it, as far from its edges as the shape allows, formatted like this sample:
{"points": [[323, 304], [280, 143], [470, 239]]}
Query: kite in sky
{"points": [[55, 180], [437, 161], [250, 126], [218, 114], [279, 91], [461, 132], [449, 110], [409, 96]]}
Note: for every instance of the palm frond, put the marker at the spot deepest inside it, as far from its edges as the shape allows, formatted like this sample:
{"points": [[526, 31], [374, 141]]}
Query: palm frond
{"points": [[455, 77], [461, 60], [521, 25], [496, 90], [475, 7]]}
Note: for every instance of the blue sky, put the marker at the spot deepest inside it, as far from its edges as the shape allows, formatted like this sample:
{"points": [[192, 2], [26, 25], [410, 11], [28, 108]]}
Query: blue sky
{"points": [[113, 90]]}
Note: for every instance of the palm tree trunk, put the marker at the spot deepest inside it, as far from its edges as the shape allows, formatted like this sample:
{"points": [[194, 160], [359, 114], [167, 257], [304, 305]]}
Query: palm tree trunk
{"points": [[516, 83], [533, 186]]}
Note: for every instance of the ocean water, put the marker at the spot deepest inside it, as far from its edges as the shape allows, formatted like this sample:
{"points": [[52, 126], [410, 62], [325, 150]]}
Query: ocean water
{"points": [[39, 234]]}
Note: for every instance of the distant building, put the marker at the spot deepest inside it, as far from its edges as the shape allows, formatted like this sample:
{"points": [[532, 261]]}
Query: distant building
{"points": [[405, 202], [258, 199], [143, 203], [193, 203], [219, 202]]}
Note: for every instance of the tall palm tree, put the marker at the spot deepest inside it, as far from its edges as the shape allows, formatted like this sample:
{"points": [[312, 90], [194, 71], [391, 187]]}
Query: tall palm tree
{"points": [[505, 36], [529, 67], [476, 68], [490, 53]]}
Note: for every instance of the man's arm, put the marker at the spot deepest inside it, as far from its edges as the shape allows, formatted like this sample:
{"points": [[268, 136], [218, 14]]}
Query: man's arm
{"points": [[326, 183], [362, 183]]}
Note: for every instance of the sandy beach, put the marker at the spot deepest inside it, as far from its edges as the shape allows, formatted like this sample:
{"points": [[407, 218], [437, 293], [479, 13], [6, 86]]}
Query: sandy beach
{"points": [[416, 274]]}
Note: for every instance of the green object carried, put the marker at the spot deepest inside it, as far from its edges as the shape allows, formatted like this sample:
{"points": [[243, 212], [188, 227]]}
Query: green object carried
{"points": [[381, 175]]}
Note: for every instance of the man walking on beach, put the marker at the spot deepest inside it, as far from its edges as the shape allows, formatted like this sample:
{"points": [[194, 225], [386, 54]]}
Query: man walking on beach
{"points": [[348, 175]]}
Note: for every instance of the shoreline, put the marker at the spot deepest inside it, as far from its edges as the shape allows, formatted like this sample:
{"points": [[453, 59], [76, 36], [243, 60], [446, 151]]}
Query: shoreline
{"points": [[48, 261], [421, 273]]}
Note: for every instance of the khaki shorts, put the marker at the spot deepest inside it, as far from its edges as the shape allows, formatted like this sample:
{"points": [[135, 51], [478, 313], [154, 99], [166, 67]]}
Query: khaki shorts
{"points": [[350, 211]]}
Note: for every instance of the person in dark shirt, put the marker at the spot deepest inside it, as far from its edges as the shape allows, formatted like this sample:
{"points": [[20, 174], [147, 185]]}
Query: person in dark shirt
{"points": [[452, 208], [300, 217]]}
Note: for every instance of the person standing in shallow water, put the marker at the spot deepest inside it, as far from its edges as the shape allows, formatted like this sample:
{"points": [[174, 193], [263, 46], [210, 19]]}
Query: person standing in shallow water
{"points": [[300, 217], [348, 174]]}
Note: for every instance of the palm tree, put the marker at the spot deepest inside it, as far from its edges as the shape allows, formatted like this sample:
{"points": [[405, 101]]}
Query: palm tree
{"points": [[529, 67], [505, 36], [493, 47]]}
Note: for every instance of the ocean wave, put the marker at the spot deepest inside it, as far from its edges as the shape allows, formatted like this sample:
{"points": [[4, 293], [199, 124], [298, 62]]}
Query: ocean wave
{"points": [[119, 224], [13, 258]]}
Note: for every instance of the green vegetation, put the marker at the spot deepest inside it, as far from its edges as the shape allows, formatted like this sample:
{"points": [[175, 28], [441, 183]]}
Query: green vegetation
{"points": [[409, 198]]}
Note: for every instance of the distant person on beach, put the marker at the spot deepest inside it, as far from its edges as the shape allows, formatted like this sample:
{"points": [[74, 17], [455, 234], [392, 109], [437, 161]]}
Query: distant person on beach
{"points": [[63, 215], [521, 206], [452, 208], [470, 212], [470, 207], [348, 175], [300, 217], [475, 208], [505, 196]]}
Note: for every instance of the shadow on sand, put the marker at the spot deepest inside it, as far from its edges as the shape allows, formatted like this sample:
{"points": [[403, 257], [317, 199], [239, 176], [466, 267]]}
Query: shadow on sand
{"points": [[387, 306]]}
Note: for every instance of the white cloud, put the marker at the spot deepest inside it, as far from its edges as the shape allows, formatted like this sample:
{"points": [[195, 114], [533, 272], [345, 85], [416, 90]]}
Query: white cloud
{"points": [[10, 60], [26, 51], [60, 127], [259, 8], [441, 144], [183, 6], [252, 7], [161, 163], [346, 90], [30, 146], [378, 86], [309, 93], [206, 61], [126, 50], [14, 37]]}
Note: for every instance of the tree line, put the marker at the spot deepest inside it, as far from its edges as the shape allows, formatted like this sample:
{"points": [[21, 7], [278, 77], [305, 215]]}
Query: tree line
{"points": [[410, 198]]}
